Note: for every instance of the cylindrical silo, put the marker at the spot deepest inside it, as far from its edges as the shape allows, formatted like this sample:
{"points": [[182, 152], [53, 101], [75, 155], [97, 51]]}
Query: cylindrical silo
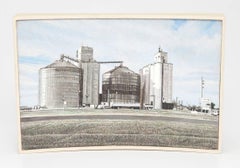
{"points": [[121, 85], [60, 85]]}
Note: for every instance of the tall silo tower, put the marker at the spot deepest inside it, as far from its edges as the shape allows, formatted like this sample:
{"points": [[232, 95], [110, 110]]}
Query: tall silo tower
{"points": [[156, 82], [91, 72], [60, 85]]}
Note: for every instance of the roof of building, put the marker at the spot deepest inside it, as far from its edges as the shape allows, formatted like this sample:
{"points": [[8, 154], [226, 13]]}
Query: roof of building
{"points": [[120, 68], [61, 63]]}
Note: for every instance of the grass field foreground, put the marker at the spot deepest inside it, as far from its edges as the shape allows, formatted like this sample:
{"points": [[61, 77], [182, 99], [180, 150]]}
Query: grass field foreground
{"points": [[88, 132]]}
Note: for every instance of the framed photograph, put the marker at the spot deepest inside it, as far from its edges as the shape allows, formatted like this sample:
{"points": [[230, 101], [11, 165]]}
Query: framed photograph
{"points": [[114, 82]]}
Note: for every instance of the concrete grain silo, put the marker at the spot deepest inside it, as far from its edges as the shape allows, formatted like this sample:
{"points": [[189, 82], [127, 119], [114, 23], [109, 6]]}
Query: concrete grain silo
{"points": [[121, 88], [156, 83], [60, 85], [91, 69]]}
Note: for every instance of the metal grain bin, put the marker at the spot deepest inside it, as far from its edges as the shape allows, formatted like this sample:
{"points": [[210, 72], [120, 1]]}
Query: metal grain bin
{"points": [[60, 85], [121, 86]]}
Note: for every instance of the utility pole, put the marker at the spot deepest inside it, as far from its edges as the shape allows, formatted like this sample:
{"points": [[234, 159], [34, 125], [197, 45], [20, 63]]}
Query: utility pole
{"points": [[202, 86]]}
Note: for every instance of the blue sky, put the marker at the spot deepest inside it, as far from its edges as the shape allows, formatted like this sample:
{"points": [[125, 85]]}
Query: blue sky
{"points": [[193, 46]]}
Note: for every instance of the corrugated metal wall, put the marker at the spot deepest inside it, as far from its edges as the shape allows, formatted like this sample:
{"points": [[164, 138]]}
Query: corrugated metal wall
{"points": [[60, 85], [121, 85]]}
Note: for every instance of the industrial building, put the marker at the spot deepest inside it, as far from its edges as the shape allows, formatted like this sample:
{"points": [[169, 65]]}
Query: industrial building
{"points": [[121, 88], [87, 87], [71, 82], [205, 105], [60, 85], [91, 69], [156, 83]]}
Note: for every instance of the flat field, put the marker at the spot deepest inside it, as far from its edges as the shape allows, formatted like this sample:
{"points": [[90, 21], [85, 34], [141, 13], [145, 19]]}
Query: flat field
{"points": [[84, 128]]}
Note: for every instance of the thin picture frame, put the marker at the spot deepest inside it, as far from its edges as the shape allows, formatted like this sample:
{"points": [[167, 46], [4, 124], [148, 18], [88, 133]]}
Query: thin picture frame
{"points": [[25, 125]]}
